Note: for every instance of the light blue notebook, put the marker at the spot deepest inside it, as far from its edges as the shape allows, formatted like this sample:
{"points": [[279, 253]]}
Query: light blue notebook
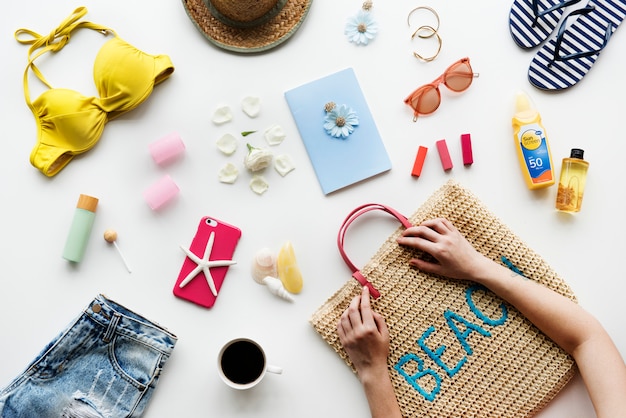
{"points": [[338, 162]]}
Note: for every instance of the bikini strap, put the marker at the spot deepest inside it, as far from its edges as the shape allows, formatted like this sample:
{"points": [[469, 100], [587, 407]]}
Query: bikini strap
{"points": [[55, 41]]}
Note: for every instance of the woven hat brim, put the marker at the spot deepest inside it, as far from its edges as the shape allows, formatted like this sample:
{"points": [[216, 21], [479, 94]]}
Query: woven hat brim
{"points": [[247, 40]]}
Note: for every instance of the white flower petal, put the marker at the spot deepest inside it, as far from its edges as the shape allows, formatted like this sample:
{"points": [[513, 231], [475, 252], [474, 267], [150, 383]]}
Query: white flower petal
{"points": [[352, 120], [227, 144], [222, 115], [258, 184], [228, 173], [275, 134], [251, 106], [283, 164], [329, 125]]}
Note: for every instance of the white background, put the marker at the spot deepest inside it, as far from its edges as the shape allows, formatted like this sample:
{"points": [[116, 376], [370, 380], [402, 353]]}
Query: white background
{"points": [[40, 292]]}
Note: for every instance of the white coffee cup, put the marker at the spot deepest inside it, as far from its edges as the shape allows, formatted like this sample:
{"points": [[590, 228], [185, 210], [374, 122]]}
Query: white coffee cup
{"points": [[241, 363]]}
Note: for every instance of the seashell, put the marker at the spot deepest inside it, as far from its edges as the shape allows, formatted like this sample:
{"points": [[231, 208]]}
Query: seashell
{"points": [[263, 264], [228, 173], [275, 286], [222, 115], [283, 164], [288, 271], [251, 106]]}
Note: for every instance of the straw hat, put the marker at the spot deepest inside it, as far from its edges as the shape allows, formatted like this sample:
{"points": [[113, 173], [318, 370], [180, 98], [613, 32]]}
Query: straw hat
{"points": [[247, 25]]}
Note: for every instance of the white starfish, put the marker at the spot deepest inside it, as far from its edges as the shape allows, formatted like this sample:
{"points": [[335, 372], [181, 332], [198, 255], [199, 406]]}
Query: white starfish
{"points": [[204, 265]]}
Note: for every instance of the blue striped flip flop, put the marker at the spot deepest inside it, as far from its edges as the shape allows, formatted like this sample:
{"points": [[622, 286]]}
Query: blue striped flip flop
{"points": [[532, 21], [565, 59]]}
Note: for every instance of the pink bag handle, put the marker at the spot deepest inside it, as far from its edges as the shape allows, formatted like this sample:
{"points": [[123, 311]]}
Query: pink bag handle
{"points": [[356, 273]]}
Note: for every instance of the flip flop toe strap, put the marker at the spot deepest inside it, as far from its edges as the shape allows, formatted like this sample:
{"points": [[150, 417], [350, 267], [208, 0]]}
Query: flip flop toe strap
{"points": [[549, 10], [532, 21], [575, 55]]}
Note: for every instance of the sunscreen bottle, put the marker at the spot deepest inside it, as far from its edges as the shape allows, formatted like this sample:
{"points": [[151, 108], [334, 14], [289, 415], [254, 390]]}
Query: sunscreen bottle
{"points": [[569, 197], [80, 230], [531, 142]]}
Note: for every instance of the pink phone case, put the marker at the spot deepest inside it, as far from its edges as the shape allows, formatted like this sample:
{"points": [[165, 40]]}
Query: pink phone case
{"points": [[195, 286]]}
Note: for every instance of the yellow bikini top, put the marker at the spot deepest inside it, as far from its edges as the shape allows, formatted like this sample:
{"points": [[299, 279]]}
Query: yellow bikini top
{"points": [[69, 123]]}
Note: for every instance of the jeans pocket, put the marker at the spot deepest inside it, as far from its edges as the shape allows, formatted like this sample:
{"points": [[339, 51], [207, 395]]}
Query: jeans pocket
{"points": [[134, 360]]}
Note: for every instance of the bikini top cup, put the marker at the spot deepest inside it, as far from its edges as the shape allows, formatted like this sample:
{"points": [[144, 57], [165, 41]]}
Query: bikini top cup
{"points": [[69, 123]]}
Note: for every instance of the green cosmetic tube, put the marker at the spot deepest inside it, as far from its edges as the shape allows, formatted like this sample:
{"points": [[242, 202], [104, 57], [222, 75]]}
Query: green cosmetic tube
{"points": [[80, 230]]}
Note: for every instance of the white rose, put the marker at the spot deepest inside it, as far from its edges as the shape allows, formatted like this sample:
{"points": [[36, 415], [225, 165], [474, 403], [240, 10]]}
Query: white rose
{"points": [[257, 158]]}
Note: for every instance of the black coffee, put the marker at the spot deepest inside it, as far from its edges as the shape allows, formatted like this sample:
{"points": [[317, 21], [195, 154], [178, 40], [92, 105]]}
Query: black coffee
{"points": [[242, 362]]}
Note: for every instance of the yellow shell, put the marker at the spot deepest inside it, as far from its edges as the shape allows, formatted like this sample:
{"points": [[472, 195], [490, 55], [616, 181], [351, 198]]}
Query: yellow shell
{"points": [[288, 271]]}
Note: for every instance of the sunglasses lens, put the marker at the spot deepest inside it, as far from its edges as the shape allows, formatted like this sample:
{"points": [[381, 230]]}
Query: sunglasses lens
{"points": [[459, 77], [427, 101]]}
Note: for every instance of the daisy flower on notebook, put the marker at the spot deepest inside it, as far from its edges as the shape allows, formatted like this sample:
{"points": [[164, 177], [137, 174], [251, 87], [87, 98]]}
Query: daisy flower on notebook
{"points": [[339, 121]]}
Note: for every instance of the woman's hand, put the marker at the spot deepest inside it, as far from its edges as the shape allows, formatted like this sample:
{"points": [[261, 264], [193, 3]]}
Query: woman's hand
{"points": [[364, 335], [455, 256]]}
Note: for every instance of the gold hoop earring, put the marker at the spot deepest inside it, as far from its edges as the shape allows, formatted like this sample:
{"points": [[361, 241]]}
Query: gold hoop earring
{"points": [[430, 9], [433, 32], [430, 32]]}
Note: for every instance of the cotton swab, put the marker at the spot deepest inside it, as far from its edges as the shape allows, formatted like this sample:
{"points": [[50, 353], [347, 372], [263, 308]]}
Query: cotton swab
{"points": [[110, 236]]}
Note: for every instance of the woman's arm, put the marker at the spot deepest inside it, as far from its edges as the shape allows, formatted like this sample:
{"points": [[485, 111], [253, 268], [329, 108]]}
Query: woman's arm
{"points": [[365, 337], [565, 322]]}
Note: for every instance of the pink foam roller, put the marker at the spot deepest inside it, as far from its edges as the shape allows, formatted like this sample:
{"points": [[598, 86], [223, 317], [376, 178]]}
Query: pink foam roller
{"points": [[161, 192], [167, 148]]}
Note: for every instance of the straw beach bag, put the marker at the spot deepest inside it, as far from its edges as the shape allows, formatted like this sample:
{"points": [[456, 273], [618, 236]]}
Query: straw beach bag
{"points": [[457, 350]]}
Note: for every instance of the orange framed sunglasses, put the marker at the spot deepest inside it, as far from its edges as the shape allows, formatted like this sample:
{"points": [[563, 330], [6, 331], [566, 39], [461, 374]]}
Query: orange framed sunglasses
{"points": [[427, 98]]}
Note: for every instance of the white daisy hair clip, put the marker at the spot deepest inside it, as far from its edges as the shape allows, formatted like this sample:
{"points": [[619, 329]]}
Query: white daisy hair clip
{"points": [[362, 28], [340, 121]]}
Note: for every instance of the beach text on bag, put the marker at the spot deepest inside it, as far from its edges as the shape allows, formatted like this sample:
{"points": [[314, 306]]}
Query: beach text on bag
{"points": [[453, 320]]}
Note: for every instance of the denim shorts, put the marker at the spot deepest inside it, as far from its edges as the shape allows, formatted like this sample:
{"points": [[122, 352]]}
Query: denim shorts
{"points": [[105, 364]]}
